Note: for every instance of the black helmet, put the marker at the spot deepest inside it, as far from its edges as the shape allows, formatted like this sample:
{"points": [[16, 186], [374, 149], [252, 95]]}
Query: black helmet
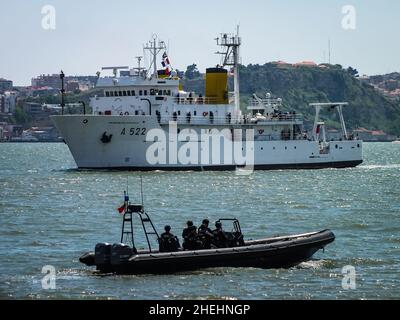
{"points": [[206, 221], [218, 224], [167, 228], [189, 223]]}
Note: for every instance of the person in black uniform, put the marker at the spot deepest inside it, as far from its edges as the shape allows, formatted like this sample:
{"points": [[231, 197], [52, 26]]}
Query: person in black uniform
{"points": [[168, 242], [190, 237], [205, 234], [220, 239]]}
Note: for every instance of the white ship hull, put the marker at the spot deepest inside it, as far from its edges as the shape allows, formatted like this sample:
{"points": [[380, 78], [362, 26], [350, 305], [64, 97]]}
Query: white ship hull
{"points": [[128, 147]]}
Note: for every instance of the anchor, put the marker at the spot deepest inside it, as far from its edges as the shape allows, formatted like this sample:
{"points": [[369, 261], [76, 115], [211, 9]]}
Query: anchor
{"points": [[106, 138]]}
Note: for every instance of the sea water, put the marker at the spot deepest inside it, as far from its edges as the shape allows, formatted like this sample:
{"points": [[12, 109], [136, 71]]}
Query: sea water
{"points": [[51, 213]]}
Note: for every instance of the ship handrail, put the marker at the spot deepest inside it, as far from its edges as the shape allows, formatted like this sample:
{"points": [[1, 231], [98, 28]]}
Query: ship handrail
{"points": [[195, 100], [192, 119]]}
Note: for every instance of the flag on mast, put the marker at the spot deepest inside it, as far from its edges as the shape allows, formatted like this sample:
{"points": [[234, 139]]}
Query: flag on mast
{"points": [[121, 209], [166, 64]]}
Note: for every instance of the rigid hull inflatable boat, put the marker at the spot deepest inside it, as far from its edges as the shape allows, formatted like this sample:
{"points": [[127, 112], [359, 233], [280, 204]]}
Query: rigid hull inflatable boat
{"points": [[277, 252]]}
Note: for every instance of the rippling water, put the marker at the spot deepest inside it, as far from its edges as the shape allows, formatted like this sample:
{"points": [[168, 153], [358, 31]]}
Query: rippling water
{"points": [[51, 213]]}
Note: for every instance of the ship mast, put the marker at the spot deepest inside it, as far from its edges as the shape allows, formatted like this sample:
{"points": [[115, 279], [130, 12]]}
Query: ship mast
{"points": [[155, 47], [231, 57]]}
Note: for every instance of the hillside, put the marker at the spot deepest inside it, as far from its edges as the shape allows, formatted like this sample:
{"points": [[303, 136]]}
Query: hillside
{"points": [[300, 85]]}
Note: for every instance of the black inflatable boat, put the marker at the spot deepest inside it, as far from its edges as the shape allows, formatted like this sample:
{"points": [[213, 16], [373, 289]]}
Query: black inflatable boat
{"points": [[275, 252], [278, 252]]}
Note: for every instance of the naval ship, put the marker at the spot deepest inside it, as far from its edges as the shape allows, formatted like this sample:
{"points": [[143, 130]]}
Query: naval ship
{"points": [[145, 120]]}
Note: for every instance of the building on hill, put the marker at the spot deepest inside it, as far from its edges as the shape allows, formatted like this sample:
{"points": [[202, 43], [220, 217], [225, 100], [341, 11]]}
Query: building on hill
{"points": [[282, 63], [8, 101], [373, 135], [5, 85], [43, 80], [306, 64]]}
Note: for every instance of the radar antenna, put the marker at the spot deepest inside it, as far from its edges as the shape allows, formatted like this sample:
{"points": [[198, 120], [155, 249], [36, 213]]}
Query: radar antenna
{"points": [[155, 47], [115, 69], [139, 69]]}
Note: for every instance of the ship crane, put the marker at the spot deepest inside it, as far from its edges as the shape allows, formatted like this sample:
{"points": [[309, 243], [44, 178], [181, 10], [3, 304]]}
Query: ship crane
{"points": [[332, 105]]}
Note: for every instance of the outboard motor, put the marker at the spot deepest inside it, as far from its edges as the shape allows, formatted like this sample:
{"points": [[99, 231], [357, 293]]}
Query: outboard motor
{"points": [[120, 253], [102, 255]]}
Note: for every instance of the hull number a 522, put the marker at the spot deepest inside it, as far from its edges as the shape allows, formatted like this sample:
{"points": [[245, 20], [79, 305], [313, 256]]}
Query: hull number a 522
{"points": [[133, 131]]}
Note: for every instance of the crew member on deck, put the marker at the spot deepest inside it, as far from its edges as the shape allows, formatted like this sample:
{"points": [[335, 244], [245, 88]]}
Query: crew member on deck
{"points": [[205, 234], [190, 237], [168, 242], [220, 239]]}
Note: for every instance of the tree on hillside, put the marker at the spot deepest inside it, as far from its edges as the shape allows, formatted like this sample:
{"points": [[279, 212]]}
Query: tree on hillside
{"points": [[352, 71], [192, 72]]}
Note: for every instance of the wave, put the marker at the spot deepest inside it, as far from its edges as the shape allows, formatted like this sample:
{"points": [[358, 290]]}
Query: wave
{"points": [[316, 264], [379, 166]]}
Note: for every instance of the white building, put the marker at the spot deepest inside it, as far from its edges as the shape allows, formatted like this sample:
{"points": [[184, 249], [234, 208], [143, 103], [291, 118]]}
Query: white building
{"points": [[8, 102]]}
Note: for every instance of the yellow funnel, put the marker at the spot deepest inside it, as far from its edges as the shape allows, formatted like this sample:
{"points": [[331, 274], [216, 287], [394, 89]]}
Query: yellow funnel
{"points": [[217, 85]]}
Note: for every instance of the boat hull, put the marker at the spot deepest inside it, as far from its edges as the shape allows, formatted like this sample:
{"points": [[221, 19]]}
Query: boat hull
{"points": [[283, 252], [129, 148]]}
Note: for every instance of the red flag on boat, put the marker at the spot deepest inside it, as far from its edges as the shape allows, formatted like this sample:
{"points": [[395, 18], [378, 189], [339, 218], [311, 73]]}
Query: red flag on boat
{"points": [[121, 209]]}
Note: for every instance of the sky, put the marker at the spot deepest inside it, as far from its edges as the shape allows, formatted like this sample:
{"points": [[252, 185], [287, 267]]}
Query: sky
{"points": [[90, 34]]}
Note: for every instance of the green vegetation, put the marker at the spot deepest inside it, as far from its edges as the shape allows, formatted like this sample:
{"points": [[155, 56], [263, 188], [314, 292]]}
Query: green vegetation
{"points": [[21, 117], [298, 86]]}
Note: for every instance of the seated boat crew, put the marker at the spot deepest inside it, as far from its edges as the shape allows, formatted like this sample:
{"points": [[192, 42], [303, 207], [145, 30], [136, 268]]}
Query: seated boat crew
{"points": [[168, 242], [190, 237], [230, 249]]}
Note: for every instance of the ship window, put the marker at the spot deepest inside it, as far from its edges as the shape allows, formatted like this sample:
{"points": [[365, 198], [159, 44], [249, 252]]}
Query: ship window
{"points": [[116, 93], [124, 93], [133, 92], [336, 146], [273, 148], [129, 92], [152, 92], [179, 112], [107, 94], [120, 93], [262, 148], [140, 92], [145, 92], [285, 148], [136, 112], [195, 112]]}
